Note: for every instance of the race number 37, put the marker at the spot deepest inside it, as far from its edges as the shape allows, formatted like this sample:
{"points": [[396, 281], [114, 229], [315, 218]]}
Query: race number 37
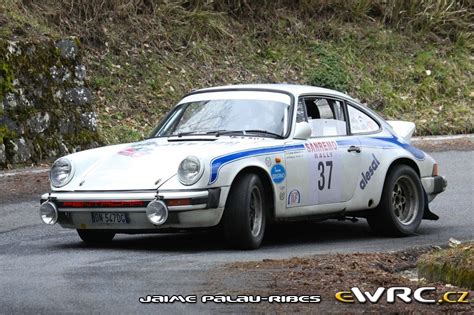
{"points": [[325, 174]]}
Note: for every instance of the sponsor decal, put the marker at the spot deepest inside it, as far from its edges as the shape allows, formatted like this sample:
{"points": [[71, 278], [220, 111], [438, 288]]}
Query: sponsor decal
{"points": [[282, 195], [282, 192], [293, 155], [136, 151], [405, 294], [321, 146], [321, 149], [268, 161], [278, 173], [369, 173], [139, 150], [294, 197]]}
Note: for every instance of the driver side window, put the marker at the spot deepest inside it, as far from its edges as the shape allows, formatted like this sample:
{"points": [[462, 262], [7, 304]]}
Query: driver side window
{"points": [[325, 116]]}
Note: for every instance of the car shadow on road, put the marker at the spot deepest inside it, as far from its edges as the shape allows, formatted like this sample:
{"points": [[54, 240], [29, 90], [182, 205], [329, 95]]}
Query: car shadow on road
{"points": [[281, 235]]}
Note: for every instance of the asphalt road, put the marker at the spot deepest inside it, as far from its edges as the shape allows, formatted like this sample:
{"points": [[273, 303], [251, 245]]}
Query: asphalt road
{"points": [[47, 269]]}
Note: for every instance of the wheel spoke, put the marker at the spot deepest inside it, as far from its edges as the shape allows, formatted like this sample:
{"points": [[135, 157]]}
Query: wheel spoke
{"points": [[403, 200], [398, 190]]}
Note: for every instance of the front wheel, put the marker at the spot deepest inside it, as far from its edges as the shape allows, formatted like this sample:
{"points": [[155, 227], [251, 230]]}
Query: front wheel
{"points": [[400, 210], [245, 213], [96, 236]]}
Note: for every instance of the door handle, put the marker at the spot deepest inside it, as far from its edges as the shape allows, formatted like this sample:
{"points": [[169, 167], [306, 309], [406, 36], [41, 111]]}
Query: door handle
{"points": [[353, 148]]}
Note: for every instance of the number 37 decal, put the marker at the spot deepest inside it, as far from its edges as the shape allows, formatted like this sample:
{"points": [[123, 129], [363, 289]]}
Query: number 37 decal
{"points": [[325, 175]]}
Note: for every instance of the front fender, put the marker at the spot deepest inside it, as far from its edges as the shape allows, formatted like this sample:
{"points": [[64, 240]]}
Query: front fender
{"points": [[86, 160], [224, 176]]}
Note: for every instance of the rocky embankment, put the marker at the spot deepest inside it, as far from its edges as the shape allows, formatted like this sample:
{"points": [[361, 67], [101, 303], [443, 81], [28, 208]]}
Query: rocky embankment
{"points": [[46, 108]]}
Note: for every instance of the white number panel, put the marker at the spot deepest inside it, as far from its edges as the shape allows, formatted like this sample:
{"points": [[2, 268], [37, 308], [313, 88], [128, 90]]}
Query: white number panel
{"points": [[314, 175], [325, 171]]}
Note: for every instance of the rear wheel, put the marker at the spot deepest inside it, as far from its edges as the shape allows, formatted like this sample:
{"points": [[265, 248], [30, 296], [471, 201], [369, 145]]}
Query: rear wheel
{"points": [[245, 213], [96, 236], [400, 210]]}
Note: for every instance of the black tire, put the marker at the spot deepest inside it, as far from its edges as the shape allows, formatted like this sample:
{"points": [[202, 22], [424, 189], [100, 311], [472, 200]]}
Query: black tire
{"points": [[245, 213], [96, 236], [400, 210]]}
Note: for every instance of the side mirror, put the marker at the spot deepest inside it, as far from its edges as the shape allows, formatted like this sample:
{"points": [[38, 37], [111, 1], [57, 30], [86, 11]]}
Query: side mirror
{"points": [[302, 130]]}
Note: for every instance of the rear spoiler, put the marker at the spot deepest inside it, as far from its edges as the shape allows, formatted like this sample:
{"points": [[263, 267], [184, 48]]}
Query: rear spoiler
{"points": [[403, 129]]}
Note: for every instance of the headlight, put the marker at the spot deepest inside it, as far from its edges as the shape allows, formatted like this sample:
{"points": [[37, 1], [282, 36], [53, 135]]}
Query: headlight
{"points": [[190, 170], [61, 173]]}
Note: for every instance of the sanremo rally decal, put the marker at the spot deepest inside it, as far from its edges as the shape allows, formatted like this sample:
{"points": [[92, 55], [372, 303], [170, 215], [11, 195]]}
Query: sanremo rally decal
{"points": [[326, 172]]}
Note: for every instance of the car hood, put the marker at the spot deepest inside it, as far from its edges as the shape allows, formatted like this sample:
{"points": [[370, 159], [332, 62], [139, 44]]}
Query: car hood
{"points": [[148, 164]]}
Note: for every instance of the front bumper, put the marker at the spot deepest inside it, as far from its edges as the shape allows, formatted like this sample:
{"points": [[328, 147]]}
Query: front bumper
{"points": [[434, 185], [187, 209]]}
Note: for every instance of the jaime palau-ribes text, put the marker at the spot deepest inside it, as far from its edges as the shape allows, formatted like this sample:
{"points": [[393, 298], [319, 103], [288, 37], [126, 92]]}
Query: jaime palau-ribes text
{"points": [[169, 299]]}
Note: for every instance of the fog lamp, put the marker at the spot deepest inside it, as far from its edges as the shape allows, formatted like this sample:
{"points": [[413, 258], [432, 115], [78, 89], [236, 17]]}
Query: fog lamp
{"points": [[157, 212], [49, 212]]}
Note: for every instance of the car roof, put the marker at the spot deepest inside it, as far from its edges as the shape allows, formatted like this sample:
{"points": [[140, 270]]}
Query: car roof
{"points": [[294, 89]]}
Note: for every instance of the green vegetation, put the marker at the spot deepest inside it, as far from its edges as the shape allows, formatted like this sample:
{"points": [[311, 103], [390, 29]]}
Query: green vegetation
{"points": [[453, 265], [6, 134], [330, 71], [409, 60], [6, 79]]}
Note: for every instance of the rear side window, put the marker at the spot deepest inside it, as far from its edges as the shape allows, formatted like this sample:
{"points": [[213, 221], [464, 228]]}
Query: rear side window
{"points": [[361, 122]]}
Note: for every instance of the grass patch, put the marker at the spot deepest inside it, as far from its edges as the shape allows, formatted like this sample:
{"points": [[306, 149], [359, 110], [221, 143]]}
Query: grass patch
{"points": [[330, 72]]}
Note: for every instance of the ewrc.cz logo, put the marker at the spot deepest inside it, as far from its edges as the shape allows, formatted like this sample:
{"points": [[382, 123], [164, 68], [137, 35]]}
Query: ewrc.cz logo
{"points": [[407, 295], [369, 173]]}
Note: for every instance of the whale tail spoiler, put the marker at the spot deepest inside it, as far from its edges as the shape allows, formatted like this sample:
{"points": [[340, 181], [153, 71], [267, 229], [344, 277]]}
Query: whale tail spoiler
{"points": [[403, 129]]}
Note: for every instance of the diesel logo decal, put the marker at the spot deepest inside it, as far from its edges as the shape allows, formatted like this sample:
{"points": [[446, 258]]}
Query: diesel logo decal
{"points": [[368, 174]]}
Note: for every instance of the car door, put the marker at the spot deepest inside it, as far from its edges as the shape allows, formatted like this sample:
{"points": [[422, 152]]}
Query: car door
{"points": [[370, 175], [323, 176]]}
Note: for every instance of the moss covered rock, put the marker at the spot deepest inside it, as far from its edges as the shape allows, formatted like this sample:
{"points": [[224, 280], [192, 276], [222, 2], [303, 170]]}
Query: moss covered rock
{"points": [[452, 265], [46, 107]]}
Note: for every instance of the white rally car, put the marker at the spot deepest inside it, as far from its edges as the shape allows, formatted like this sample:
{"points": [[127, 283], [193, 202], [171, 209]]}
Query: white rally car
{"points": [[239, 157]]}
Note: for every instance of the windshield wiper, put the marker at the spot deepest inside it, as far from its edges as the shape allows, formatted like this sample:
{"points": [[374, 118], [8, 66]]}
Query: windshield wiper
{"points": [[244, 132], [226, 132], [265, 132], [180, 134], [200, 132]]}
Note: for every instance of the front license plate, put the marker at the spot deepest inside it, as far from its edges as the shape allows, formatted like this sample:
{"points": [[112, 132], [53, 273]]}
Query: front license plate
{"points": [[109, 217]]}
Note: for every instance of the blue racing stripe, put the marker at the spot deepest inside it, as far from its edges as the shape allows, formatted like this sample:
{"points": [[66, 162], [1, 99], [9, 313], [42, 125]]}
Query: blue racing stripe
{"points": [[383, 143], [417, 153], [220, 161], [347, 142]]}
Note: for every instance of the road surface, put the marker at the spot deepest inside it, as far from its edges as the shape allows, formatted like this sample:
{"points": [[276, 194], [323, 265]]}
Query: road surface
{"points": [[46, 269]]}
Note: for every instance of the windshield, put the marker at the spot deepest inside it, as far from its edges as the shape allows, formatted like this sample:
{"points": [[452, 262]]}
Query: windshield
{"points": [[245, 116]]}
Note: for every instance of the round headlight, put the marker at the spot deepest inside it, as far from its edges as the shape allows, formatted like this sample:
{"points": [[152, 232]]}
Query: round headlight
{"points": [[190, 170], [61, 173]]}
